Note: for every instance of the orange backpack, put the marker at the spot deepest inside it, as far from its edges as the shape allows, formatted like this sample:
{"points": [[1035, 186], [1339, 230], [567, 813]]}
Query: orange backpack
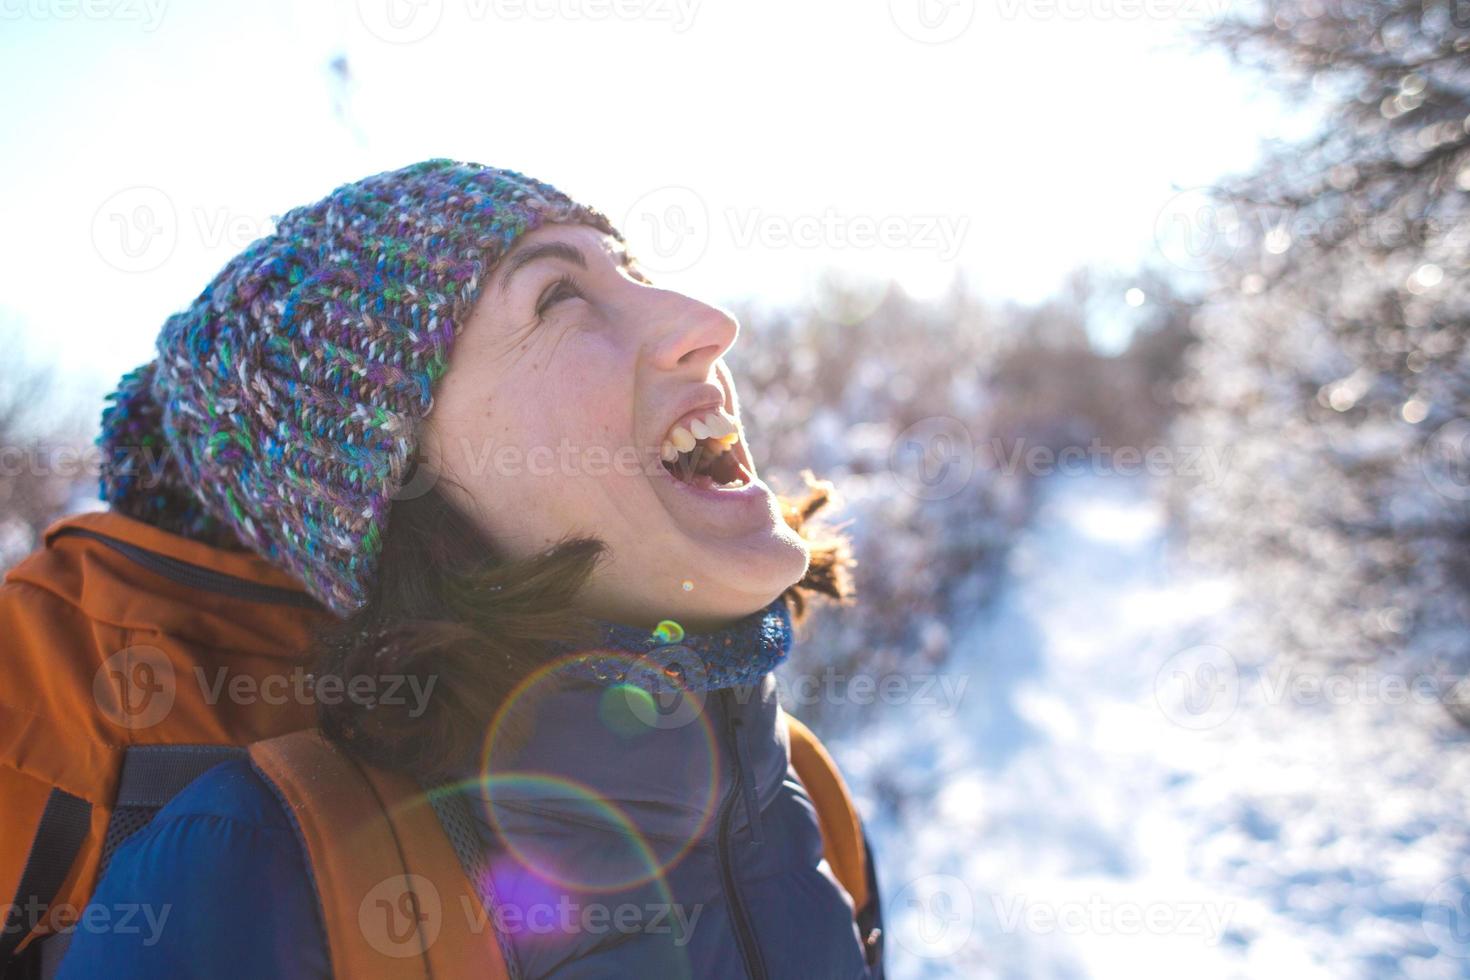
{"points": [[137, 659], [123, 643]]}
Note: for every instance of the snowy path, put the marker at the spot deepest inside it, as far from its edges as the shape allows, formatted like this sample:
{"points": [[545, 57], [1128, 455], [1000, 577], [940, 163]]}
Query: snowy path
{"points": [[1103, 805]]}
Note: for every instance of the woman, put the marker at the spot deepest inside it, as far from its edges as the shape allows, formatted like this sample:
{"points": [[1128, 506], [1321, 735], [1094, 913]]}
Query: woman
{"points": [[584, 584]]}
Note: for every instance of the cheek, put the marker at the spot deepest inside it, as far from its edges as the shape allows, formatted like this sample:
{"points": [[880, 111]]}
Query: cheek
{"points": [[589, 390], [539, 442], [550, 419]]}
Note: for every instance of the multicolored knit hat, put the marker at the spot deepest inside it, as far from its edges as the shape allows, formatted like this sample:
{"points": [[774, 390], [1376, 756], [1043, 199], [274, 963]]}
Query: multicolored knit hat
{"points": [[281, 411]]}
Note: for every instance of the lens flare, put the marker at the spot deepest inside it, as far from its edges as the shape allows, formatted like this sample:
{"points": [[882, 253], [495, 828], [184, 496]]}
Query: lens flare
{"points": [[623, 708], [521, 787]]}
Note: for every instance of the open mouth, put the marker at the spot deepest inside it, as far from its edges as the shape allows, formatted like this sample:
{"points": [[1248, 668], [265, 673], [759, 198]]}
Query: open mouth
{"points": [[704, 450]]}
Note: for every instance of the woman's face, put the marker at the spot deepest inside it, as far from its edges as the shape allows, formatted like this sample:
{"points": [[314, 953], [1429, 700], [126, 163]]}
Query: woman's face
{"points": [[571, 383]]}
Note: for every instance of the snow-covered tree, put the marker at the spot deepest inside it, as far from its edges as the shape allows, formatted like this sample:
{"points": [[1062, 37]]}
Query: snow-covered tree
{"points": [[1333, 364]]}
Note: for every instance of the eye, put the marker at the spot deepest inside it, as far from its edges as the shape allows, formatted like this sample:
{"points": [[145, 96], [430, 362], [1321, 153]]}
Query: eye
{"points": [[564, 287]]}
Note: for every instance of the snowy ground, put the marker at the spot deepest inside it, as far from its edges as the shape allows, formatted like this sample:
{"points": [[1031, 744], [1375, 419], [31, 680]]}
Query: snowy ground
{"points": [[1121, 794]]}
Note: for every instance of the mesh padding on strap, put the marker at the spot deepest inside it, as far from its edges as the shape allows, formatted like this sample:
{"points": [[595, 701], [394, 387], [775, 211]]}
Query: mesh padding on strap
{"points": [[463, 832], [124, 823]]}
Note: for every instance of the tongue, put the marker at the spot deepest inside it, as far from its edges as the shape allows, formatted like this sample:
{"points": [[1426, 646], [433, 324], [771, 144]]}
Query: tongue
{"points": [[706, 470]]}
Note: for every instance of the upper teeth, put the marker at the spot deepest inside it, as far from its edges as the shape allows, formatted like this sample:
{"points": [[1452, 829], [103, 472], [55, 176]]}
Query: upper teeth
{"points": [[712, 425]]}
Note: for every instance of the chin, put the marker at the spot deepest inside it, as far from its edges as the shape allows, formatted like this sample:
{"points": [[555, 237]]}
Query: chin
{"points": [[730, 580], [751, 577]]}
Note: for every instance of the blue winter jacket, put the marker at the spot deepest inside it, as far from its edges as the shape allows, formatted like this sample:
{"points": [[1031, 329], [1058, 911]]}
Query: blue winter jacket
{"points": [[616, 849]]}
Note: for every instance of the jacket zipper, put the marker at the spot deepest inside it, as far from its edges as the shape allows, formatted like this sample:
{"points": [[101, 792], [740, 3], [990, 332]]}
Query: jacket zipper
{"points": [[197, 576], [744, 933]]}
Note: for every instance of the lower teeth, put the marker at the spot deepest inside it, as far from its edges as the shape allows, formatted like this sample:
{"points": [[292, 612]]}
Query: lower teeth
{"points": [[706, 482]]}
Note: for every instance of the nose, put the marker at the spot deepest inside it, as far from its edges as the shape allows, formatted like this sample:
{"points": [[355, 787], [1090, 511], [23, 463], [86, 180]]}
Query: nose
{"points": [[694, 335]]}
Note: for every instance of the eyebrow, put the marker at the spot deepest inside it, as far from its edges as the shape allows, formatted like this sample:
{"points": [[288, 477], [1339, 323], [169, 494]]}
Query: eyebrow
{"points": [[552, 250], [545, 250]]}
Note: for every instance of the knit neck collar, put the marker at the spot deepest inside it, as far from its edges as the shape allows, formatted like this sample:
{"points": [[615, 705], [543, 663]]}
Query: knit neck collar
{"points": [[669, 659]]}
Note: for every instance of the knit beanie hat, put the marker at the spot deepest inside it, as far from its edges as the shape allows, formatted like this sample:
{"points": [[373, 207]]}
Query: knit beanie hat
{"points": [[280, 413]]}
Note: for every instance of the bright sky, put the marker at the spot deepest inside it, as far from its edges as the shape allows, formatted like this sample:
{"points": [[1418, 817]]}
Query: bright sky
{"points": [[743, 145]]}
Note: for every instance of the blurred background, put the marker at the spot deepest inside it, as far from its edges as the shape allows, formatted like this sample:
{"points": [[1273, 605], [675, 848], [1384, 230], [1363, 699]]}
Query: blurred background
{"points": [[1131, 332]]}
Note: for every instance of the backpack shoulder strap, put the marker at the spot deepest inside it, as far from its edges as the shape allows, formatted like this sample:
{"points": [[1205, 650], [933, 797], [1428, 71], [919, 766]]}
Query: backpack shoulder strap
{"points": [[395, 902], [65, 824], [842, 832]]}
